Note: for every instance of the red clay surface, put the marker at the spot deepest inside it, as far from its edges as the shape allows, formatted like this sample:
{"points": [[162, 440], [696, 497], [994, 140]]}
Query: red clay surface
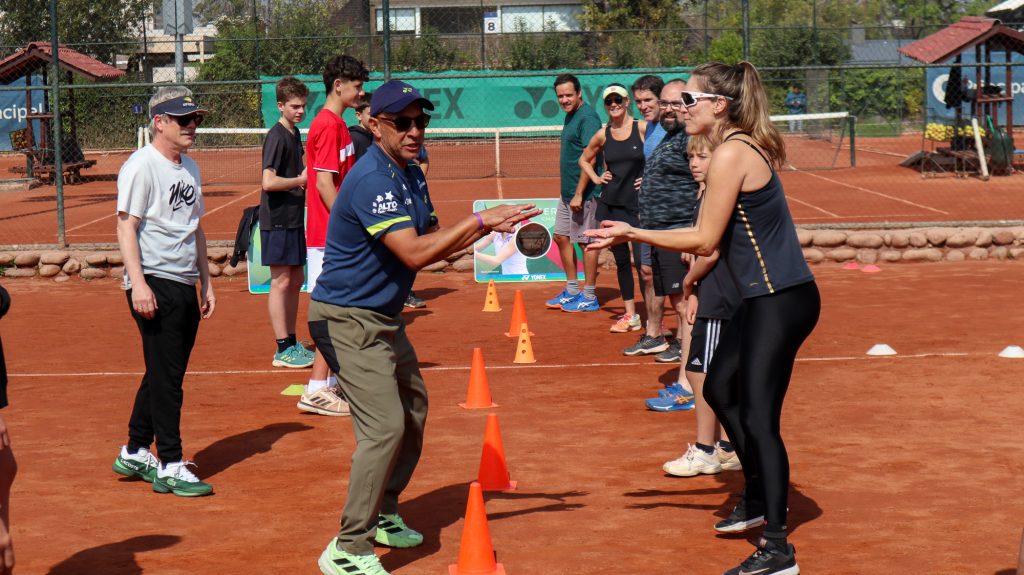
{"points": [[878, 191], [907, 464]]}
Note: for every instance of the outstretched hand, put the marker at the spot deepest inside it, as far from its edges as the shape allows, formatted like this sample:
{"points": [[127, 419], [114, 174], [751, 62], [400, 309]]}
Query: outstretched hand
{"points": [[503, 218], [609, 234]]}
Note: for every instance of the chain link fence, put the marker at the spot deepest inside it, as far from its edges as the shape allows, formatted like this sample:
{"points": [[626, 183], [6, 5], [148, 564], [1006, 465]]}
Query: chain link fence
{"points": [[487, 67]]}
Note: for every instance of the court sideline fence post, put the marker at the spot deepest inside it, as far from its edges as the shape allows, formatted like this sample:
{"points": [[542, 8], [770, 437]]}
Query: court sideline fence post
{"points": [[57, 127], [853, 140]]}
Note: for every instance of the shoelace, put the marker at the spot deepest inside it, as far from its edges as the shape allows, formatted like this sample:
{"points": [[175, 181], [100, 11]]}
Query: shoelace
{"points": [[182, 472]]}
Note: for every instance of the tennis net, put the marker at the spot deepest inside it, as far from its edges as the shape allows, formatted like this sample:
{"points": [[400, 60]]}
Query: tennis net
{"points": [[234, 155]]}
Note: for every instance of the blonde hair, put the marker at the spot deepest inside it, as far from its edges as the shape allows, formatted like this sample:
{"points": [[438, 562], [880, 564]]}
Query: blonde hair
{"points": [[748, 109], [163, 94], [698, 143]]}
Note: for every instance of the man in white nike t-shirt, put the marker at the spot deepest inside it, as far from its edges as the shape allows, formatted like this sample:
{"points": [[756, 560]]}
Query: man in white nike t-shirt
{"points": [[159, 203]]}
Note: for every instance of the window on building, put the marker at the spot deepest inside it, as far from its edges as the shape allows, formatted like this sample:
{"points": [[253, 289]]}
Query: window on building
{"points": [[452, 20], [402, 20], [558, 18]]}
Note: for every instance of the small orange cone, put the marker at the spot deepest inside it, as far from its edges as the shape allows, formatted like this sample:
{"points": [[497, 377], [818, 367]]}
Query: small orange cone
{"points": [[524, 349], [478, 395], [493, 474], [476, 554], [518, 315], [491, 303]]}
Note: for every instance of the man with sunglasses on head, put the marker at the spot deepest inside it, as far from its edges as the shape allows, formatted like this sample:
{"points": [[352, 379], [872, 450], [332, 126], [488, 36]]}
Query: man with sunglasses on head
{"points": [[330, 154], [578, 207], [159, 203], [379, 236], [668, 197]]}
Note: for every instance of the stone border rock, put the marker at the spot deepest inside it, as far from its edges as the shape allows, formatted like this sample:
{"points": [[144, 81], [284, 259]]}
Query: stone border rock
{"points": [[819, 246]]}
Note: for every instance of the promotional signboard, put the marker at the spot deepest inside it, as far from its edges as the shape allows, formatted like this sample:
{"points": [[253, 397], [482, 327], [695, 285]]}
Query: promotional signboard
{"points": [[487, 101], [528, 254], [13, 109], [936, 87], [259, 274]]}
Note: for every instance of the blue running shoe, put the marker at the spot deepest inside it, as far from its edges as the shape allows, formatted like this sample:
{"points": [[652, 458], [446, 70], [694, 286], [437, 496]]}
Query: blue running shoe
{"points": [[670, 403], [674, 389], [581, 303], [558, 300]]}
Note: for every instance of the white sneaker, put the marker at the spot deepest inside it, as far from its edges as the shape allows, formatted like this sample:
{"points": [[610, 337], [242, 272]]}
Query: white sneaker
{"points": [[728, 459], [141, 464], [323, 401], [693, 462]]}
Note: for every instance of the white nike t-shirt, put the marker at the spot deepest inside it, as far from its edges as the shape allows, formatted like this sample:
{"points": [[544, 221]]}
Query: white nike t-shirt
{"points": [[168, 200]]}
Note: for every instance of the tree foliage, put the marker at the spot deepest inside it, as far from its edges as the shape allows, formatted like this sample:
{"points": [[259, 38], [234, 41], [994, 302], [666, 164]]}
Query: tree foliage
{"points": [[632, 14], [100, 28], [299, 39], [542, 51]]}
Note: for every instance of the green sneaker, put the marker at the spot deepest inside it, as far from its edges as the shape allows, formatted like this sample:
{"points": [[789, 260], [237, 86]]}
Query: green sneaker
{"points": [[335, 561], [293, 357], [177, 479], [393, 532], [141, 464]]}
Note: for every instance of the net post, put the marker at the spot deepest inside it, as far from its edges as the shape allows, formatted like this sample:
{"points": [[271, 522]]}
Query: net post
{"points": [[497, 152], [853, 139]]}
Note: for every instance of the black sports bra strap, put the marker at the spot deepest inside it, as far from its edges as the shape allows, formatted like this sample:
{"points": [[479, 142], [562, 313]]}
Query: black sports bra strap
{"points": [[752, 146]]}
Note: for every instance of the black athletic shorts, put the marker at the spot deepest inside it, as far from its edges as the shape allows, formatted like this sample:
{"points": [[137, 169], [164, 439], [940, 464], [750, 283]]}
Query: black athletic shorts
{"points": [[703, 341], [669, 271], [283, 247]]}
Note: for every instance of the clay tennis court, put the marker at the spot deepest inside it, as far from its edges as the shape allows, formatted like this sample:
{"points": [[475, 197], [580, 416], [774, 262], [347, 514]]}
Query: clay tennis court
{"points": [[905, 464], [875, 192]]}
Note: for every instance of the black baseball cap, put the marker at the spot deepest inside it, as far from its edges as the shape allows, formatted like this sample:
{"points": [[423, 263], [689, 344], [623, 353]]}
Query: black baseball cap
{"points": [[182, 106], [393, 97]]}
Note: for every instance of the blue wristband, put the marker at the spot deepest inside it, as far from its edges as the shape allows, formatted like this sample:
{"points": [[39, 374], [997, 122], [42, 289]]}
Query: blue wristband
{"points": [[479, 221]]}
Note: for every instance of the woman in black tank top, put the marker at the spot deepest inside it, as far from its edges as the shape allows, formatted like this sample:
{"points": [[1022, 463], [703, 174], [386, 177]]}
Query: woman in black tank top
{"points": [[745, 215], [622, 141]]}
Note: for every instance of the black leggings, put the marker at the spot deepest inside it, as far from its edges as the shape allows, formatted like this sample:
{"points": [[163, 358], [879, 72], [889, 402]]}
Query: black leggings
{"points": [[623, 267], [747, 382]]}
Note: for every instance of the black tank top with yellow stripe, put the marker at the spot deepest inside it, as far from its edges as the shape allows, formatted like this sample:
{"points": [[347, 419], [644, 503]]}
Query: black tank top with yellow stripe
{"points": [[760, 245]]}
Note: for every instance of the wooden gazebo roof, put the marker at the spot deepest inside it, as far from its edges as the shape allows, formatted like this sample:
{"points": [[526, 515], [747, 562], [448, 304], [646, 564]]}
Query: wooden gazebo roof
{"points": [[970, 31], [39, 54]]}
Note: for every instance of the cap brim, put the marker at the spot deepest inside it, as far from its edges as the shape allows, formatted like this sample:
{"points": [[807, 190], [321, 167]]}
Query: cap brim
{"points": [[200, 111]]}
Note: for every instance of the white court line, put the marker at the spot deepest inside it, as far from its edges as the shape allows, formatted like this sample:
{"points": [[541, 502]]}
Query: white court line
{"points": [[497, 367], [114, 215], [894, 198], [812, 206]]}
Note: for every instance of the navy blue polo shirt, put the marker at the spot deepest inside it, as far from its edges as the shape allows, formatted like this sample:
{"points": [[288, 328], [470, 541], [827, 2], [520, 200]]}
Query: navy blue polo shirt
{"points": [[376, 197]]}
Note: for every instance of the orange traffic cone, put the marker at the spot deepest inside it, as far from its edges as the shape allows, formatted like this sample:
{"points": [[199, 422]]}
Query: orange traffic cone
{"points": [[478, 395], [476, 554], [524, 349], [491, 302], [493, 474], [518, 315]]}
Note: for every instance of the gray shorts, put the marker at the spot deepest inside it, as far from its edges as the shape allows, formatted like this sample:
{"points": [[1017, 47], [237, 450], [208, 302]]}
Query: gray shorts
{"points": [[573, 224]]}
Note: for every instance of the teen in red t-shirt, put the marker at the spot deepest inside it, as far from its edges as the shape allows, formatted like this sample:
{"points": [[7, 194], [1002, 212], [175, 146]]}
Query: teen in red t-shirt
{"points": [[330, 155]]}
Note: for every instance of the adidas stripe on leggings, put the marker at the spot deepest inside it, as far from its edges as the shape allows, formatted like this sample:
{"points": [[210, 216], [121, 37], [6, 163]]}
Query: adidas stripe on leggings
{"points": [[747, 384]]}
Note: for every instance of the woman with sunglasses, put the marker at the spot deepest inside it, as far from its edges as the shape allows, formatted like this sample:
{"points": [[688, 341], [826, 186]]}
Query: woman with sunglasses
{"points": [[622, 141], [745, 215]]}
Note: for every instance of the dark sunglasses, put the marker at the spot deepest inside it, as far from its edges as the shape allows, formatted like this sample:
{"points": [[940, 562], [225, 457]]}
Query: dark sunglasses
{"points": [[404, 123], [186, 121], [614, 99]]}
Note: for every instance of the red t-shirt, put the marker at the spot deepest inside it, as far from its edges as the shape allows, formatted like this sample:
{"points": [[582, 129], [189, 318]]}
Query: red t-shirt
{"points": [[328, 149]]}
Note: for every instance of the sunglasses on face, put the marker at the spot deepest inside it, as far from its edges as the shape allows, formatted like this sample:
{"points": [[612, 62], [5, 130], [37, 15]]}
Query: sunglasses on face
{"points": [[404, 123], [614, 99], [690, 99], [186, 121]]}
